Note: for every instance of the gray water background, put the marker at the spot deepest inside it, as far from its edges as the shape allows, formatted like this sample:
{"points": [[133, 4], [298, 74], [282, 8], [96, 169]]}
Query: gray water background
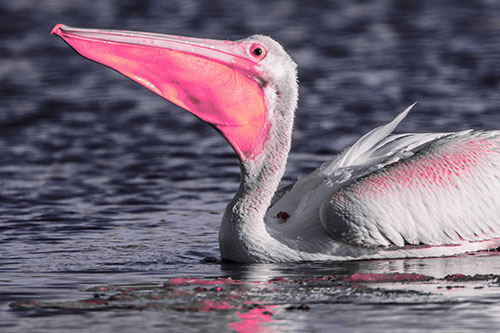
{"points": [[103, 182]]}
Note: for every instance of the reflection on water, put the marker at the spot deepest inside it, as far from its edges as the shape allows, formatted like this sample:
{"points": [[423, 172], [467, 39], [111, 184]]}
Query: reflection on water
{"points": [[254, 320], [103, 183], [283, 296]]}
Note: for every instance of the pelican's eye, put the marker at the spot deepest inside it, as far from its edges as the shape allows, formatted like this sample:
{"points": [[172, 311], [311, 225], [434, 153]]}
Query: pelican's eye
{"points": [[257, 51]]}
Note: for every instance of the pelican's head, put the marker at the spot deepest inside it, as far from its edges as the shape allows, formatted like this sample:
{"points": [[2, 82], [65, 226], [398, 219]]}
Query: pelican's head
{"points": [[237, 87]]}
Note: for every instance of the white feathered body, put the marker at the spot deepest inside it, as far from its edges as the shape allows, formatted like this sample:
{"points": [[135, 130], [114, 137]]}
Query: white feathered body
{"points": [[390, 196]]}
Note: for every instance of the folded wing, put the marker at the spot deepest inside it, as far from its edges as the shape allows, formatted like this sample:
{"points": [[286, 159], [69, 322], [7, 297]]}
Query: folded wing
{"points": [[446, 193], [396, 190]]}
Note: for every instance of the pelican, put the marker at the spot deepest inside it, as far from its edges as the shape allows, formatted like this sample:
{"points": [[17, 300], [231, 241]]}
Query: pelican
{"points": [[386, 196]]}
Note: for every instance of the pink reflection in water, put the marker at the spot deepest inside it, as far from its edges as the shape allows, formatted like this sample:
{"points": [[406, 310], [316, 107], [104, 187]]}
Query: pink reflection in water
{"points": [[252, 320]]}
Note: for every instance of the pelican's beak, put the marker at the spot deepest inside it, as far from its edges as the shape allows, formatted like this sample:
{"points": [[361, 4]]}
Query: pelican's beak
{"points": [[217, 81]]}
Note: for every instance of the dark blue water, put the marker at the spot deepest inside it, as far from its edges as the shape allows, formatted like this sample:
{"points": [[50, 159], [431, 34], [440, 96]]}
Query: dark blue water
{"points": [[103, 182]]}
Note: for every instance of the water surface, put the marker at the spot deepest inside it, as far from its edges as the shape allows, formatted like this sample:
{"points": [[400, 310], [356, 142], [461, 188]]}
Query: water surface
{"points": [[104, 183]]}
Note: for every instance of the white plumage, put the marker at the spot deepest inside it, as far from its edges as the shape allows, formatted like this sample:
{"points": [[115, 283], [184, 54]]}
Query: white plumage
{"points": [[389, 196]]}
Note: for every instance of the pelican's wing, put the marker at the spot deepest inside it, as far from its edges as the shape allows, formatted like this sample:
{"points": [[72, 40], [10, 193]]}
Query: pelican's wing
{"points": [[384, 190], [446, 193]]}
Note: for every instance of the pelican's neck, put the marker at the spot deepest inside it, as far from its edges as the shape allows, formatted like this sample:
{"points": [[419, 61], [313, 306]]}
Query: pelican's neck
{"points": [[243, 232], [260, 178]]}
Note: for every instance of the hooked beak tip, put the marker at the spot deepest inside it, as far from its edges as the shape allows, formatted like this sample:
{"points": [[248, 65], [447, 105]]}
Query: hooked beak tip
{"points": [[56, 29]]}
